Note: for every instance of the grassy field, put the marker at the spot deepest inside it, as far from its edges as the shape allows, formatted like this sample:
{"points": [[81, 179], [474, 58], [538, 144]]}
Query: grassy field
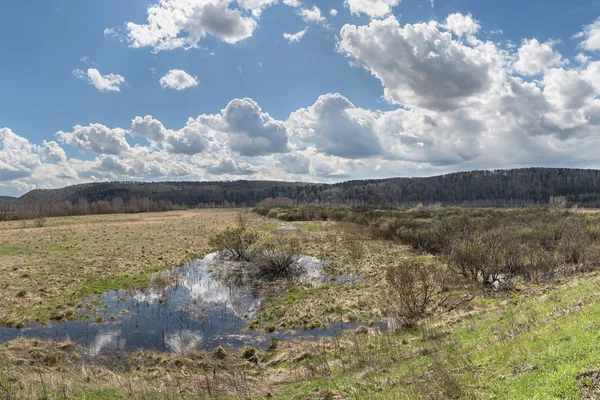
{"points": [[535, 341], [48, 271]]}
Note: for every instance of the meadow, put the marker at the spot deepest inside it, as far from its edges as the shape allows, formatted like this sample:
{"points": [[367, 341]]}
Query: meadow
{"points": [[531, 332]]}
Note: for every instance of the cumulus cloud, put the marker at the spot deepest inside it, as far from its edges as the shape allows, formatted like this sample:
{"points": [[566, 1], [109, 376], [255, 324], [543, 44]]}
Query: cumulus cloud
{"points": [[17, 159], [173, 24], [462, 25], [372, 8], [110, 82], [295, 37], [231, 167], [96, 138], [590, 36], [333, 12], [148, 128], [534, 57], [190, 140], [312, 15], [336, 127], [419, 65], [460, 103], [251, 132], [178, 79], [52, 152], [292, 3]]}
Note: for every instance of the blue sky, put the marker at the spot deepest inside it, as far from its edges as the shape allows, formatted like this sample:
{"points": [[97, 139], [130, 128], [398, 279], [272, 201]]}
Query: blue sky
{"points": [[59, 127]]}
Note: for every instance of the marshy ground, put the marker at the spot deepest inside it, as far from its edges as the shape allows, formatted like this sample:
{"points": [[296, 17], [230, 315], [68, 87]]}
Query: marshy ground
{"points": [[536, 340]]}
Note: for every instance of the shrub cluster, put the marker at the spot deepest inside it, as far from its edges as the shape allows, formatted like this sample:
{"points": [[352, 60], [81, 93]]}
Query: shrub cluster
{"points": [[480, 244], [269, 256]]}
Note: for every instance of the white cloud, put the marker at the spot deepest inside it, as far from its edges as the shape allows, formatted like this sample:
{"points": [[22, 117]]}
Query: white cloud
{"points": [[256, 6], [148, 128], [251, 132], [582, 58], [333, 12], [567, 89], [419, 65], [336, 127], [590, 36], [96, 138], [17, 159], [110, 82], [534, 57], [372, 8], [312, 15], [462, 25], [52, 152], [292, 3], [296, 37], [463, 104], [190, 140], [178, 80], [183, 23], [116, 32], [231, 167]]}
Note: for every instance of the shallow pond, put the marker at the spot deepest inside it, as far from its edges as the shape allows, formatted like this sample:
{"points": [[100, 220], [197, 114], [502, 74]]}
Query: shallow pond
{"points": [[197, 308]]}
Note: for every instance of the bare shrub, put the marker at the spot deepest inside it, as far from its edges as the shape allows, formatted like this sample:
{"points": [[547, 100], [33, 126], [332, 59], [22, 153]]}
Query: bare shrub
{"points": [[469, 258], [414, 289], [277, 256], [538, 264], [243, 218], [557, 203], [234, 242], [39, 222], [574, 241]]}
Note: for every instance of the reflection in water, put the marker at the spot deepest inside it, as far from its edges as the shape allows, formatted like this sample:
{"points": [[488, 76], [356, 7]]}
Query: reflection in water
{"points": [[183, 341], [209, 305], [107, 340]]}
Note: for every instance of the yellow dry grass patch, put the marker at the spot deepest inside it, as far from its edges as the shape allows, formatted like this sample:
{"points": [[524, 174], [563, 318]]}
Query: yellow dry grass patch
{"points": [[47, 271]]}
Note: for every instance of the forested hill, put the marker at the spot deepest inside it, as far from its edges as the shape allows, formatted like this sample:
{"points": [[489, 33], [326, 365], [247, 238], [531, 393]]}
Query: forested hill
{"points": [[518, 187], [7, 199]]}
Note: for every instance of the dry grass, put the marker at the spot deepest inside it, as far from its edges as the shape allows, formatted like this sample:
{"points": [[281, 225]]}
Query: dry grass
{"points": [[435, 360], [31, 369], [49, 270]]}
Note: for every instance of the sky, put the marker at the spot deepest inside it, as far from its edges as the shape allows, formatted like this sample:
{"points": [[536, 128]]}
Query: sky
{"points": [[296, 90]]}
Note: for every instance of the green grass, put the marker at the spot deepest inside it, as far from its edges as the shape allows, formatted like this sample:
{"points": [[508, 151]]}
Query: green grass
{"points": [[312, 227], [527, 349], [11, 250]]}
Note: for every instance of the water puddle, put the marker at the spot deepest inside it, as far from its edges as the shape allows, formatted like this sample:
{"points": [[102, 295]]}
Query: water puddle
{"points": [[197, 308]]}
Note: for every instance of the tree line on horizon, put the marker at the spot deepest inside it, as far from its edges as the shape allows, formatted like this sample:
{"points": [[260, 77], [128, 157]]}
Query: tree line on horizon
{"points": [[499, 188]]}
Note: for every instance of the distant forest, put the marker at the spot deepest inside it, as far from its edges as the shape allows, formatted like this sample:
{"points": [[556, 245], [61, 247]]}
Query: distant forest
{"points": [[499, 188]]}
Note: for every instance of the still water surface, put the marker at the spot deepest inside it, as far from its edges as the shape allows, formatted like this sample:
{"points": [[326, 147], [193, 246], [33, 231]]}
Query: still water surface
{"points": [[199, 309]]}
